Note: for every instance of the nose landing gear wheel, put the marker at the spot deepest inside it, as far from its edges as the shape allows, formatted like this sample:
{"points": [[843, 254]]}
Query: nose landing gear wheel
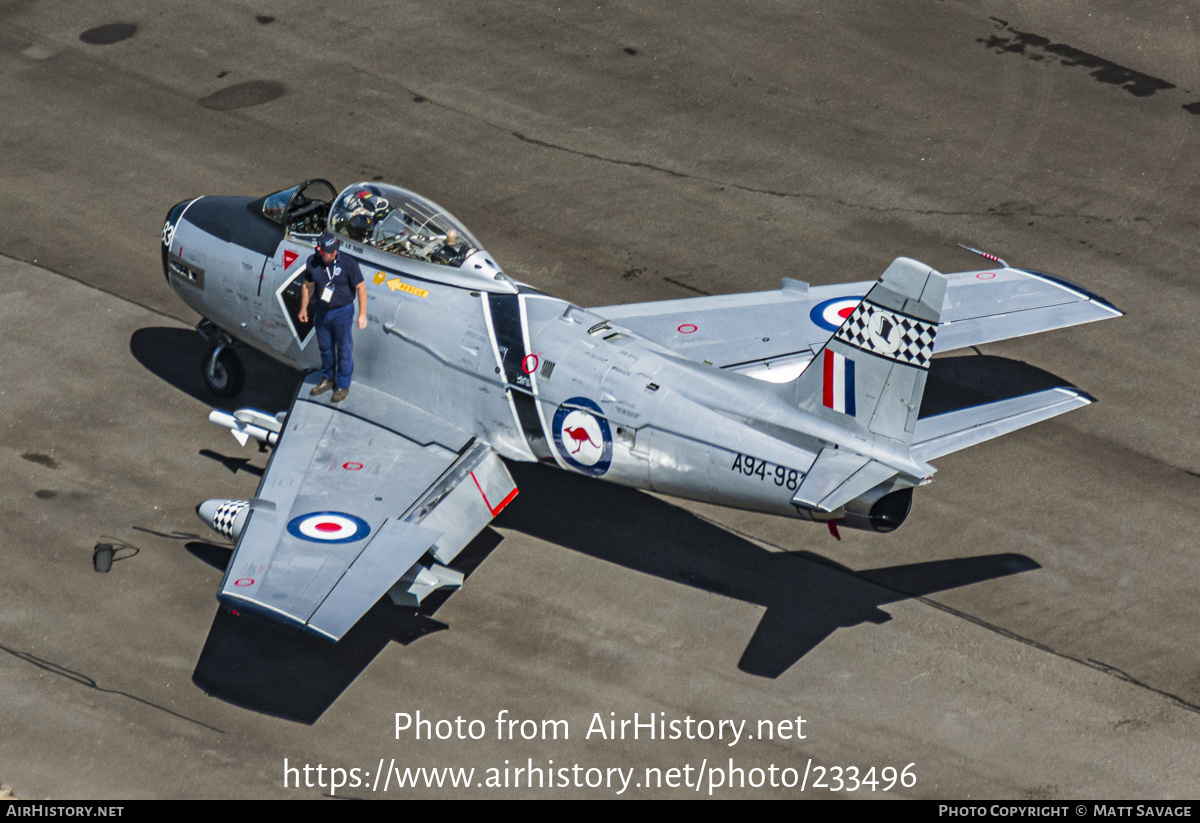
{"points": [[223, 371]]}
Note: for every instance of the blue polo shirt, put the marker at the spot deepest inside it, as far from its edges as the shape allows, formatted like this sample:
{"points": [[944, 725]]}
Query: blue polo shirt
{"points": [[344, 276]]}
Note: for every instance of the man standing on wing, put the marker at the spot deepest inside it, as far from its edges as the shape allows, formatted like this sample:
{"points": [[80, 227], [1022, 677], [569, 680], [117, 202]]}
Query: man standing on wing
{"points": [[333, 280]]}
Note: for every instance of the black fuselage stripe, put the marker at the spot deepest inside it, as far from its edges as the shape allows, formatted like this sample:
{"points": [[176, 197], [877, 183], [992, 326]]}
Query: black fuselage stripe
{"points": [[510, 341]]}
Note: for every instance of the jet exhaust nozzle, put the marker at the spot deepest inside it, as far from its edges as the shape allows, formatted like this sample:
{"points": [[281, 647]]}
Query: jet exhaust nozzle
{"points": [[880, 510]]}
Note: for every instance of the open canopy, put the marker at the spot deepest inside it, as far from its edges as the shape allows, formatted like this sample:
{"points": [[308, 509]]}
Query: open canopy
{"points": [[401, 222]]}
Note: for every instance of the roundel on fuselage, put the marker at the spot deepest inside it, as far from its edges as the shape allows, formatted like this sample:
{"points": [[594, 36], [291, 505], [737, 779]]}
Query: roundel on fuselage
{"points": [[582, 436]]}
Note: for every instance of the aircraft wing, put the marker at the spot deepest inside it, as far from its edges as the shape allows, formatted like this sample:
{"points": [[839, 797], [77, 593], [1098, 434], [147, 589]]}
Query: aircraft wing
{"points": [[767, 329], [360, 498], [772, 335]]}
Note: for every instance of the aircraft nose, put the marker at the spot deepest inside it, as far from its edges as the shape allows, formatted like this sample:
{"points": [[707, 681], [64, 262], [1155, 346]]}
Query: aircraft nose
{"points": [[168, 233]]}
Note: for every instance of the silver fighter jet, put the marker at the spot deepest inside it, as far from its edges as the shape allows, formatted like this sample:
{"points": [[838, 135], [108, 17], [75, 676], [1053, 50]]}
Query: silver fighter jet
{"points": [[802, 401]]}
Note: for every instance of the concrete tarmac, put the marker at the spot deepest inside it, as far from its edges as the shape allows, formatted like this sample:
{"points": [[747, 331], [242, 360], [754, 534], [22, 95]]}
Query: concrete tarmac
{"points": [[1026, 634]]}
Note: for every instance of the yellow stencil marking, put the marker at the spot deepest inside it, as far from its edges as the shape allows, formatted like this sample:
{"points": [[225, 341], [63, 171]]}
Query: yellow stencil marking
{"points": [[379, 277], [397, 283]]}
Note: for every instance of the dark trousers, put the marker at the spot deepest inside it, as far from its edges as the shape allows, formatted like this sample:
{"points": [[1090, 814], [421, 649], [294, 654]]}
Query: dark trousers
{"points": [[336, 343]]}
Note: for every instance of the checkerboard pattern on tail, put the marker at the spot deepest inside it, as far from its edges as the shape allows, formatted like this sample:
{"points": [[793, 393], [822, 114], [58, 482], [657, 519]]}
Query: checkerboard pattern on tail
{"points": [[889, 334]]}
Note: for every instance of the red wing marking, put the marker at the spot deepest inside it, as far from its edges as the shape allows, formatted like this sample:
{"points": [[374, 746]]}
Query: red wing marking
{"points": [[500, 507]]}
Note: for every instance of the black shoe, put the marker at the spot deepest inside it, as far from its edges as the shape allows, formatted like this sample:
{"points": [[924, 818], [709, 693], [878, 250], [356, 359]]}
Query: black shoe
{"points": [[322, 387], [340, 394]]}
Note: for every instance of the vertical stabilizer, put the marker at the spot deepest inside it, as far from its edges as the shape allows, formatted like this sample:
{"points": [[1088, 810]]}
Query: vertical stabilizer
{"points": [[870, 375]]}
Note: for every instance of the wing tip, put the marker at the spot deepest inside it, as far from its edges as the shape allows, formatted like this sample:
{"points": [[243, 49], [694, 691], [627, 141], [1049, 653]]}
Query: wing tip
{"points": [[1087, 294], [1086, 397], [244, 605]]}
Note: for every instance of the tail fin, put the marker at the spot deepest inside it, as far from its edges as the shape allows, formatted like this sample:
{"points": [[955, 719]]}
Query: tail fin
{"points": [[870, 375]]}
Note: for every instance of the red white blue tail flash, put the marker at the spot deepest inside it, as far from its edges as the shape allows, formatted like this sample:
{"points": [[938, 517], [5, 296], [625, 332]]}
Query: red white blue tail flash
{"points": [[839, 383]]}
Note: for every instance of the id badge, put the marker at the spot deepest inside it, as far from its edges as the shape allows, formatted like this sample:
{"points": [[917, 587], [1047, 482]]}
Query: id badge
{"points": [[327, 295]]}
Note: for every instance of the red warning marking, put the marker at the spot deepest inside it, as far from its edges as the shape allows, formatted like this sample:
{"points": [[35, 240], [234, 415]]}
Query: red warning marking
{"points": [[289, 257], [352, 466], [985, 275], [244, 581], [529, 364], [688, 328], [503, 502], [327, 527]]}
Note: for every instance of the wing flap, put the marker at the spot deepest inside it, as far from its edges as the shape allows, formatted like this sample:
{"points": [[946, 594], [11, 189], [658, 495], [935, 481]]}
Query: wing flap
{"points": [[395, 548], [466, 500], [950, 432]]}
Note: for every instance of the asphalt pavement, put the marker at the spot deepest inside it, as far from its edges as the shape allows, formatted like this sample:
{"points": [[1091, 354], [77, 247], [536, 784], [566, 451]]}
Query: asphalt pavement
{"points": [[1027, 634]]}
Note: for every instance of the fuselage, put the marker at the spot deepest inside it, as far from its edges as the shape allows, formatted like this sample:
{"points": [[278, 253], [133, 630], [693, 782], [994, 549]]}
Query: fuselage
{"points": [[534, 376]]}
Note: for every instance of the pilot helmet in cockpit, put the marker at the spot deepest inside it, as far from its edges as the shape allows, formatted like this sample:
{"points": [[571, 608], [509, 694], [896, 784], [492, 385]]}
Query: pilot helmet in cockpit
{"points": [[365, 209]]}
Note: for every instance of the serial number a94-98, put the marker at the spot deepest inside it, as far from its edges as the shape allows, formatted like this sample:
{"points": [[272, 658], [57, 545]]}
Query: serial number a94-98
{"points": [[753, 467]]}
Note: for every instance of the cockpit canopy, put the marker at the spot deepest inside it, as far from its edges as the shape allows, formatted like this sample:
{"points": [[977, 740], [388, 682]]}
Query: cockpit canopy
{"points": [[302, 209], [401, 222]]}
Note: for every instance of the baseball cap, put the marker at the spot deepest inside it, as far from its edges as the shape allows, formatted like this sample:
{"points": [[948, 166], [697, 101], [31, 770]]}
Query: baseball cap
{"points": [[327, 242]]}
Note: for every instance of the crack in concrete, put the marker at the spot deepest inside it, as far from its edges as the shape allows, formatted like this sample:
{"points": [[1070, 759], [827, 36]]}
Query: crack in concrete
{"points": [[1012, 210], [84, 680]]}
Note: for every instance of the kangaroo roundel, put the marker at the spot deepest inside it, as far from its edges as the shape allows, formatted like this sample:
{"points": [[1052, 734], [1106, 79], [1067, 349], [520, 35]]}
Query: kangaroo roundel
{"points": [[582, 436]]}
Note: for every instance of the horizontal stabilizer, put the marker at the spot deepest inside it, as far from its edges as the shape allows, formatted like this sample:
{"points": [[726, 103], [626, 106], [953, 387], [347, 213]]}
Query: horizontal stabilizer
{"points": [[838, 476], [943, 434]]}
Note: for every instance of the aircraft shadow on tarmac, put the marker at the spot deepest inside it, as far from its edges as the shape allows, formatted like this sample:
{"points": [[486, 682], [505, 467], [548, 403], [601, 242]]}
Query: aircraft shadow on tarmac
{"points": [[970, 379], [806, 597], [175, 356], [282, 672]]}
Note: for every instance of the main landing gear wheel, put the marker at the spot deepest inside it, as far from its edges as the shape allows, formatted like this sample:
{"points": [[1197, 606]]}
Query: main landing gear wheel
{"points": [[223, 371]]}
